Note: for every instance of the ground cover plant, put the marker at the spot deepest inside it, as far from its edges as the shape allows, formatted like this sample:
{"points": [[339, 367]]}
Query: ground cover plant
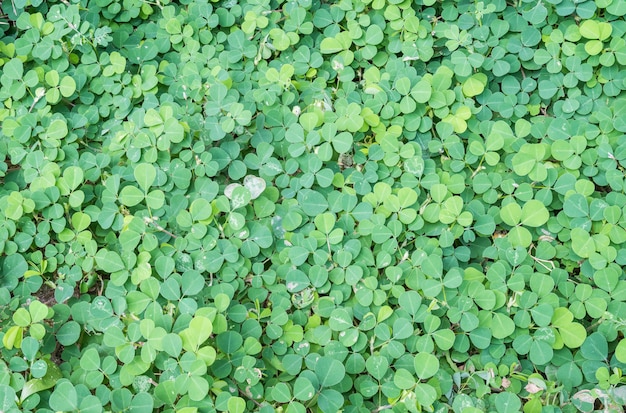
{"points": [[306, 206]]}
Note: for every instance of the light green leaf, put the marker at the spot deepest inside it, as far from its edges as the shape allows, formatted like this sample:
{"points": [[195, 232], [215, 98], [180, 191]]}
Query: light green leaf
{"points": [[573, 334], [330, 45], [131, 196], [13, 69], [426, 365], [511, 214], [374, 35], [534, 214], [501, 326], [475, 85], [145, 174]]}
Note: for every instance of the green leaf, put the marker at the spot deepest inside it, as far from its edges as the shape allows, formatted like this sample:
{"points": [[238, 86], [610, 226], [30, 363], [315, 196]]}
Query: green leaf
{"points": [[422, 91], [13, 69], [330, 401], [166, 392], [229, 341], [426, 365], [80, 221], [199, 330], [582, 243], [90, 360], [329, 371], [145, 175], [374, 35], [64, 396], [377, 366], [255, 185], [131, 196], [547, 89], [573, 334], [57, 130], [67, 87], [342, 142], [475, 85], [620, 351], [591, 29], [507, 402], [330, 45], [69, 333], [325, 222], [537, 14], [425, 394], [142, 403], [403, 379], [576, 206], [502, 326], [534, 214], [21, 317], [570, 375], [541, 353], [340, 320], [511, 214], [281, 393], [595, 347], [173, 131], [73, 176], [236, 405], [303, 389], [38, 311], [109, 261], [7, 398], [520, 237], [312, 202]]}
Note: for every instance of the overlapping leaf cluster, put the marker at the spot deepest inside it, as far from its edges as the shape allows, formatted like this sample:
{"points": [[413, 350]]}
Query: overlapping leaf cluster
{"points": [[299, 206]]}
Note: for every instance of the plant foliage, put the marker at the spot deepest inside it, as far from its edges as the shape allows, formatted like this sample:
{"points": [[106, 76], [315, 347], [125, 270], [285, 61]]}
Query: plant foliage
{"points": [[309, 206]]}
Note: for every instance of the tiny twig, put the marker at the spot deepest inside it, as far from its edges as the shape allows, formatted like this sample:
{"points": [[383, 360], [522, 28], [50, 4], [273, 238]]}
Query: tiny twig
{"points": [[249, 397], [160, 228], [152, 221], [40, 93], [541, 261]]}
